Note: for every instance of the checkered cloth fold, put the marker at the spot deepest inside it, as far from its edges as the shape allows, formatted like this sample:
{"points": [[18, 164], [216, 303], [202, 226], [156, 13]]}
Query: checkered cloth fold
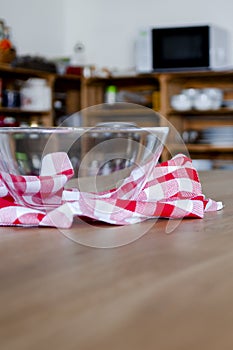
{"points": [[171, 189]]}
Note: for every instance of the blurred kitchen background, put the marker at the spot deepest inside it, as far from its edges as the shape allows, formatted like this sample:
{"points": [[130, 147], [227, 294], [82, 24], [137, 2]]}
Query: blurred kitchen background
{"points": [[106, 28], [59, 35]]}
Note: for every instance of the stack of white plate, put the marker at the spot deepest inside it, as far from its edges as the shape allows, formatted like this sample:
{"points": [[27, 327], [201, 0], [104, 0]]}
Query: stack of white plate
{"points": [[217, 136]]}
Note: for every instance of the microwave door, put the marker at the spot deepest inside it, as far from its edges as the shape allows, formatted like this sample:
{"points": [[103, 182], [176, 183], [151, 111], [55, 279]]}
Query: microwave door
{"points": [[180, 48]]}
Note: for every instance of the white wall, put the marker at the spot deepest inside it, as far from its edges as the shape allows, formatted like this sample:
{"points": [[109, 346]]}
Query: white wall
{"points": [[107, 28], [37, 26]]}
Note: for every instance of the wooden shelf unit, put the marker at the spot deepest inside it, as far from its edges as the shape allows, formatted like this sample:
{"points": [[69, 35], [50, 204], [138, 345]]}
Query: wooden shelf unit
{"points": [[11, 78], [71, 93], [196, 120], [136, 92], [66, 90], [69, 85]]}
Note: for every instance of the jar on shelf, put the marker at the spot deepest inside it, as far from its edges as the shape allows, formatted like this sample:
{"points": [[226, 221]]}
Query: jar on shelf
{"points": [[35, 95]]}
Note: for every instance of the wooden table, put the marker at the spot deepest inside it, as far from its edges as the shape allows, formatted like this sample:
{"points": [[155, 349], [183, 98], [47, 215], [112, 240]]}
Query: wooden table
{"points": [[163, 291]]}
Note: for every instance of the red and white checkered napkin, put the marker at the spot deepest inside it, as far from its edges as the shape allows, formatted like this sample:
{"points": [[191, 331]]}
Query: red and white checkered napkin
{"points": [[169, 190]]}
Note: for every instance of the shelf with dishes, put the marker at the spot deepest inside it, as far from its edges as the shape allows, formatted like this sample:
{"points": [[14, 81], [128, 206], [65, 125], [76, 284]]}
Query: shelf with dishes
{"points": [[211, 132], [37, 97], [208, 99], [192, 147], [215, 142], [18, 110], [136, 89], [209, 112], [200, 91], [131, 99], [25, 96], [92, 100], [14, 117], [121, 113], [200, 106]]}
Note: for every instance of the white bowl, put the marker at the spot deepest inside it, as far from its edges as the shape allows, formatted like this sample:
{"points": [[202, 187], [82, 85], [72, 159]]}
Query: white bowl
{"points": [[181, 102], [215, 95], [202, 102], [191, 93]]}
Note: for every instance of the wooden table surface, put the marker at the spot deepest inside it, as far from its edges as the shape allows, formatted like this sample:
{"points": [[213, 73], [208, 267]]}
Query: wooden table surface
{"points": [[163, 291]]}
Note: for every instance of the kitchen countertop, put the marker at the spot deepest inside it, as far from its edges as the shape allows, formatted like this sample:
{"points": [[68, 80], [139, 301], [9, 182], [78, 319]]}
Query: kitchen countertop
{"points": [[162, 291]]}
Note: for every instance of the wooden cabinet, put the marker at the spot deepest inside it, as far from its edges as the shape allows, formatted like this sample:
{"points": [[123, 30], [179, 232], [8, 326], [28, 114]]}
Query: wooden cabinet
{"points": [[208, 133], [141, 97], [66, 97], [137, 100], [63, 91], [11, 80], [157, 90]]}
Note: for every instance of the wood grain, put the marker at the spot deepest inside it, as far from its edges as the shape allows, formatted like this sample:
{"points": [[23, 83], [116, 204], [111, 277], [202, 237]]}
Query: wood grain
{"points": [[163, 291]]}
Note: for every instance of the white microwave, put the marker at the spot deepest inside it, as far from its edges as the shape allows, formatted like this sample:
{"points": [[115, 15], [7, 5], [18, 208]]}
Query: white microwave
{"points": [[195, 47]]}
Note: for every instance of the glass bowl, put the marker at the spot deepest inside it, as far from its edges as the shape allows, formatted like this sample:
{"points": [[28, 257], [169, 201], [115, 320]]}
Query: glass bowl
{"points": [[99, 156]]}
